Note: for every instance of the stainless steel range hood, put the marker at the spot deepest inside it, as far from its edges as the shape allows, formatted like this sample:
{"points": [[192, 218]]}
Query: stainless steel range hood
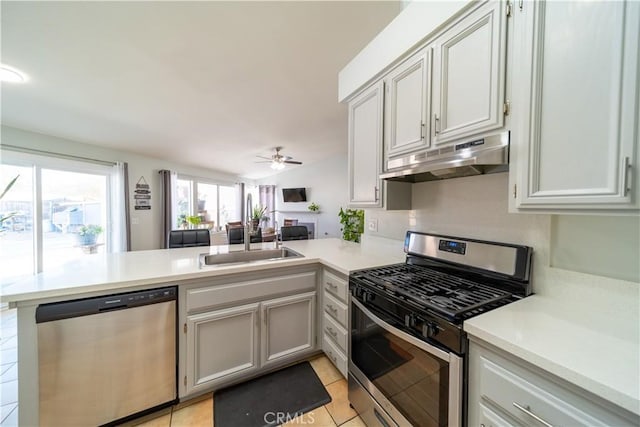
{"points": [[480, 156]]}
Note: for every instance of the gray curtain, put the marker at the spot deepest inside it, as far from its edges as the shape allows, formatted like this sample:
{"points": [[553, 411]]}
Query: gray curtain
{"points": [[165, 206], [127, 217], [267, 195]]}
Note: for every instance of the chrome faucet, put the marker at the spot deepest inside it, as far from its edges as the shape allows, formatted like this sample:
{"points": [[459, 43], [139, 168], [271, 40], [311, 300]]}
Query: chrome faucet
{"points": [[248, 224]]}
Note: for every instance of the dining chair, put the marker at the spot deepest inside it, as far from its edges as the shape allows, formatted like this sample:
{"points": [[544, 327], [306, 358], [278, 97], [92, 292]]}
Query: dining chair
{"points": [[294, 232]]}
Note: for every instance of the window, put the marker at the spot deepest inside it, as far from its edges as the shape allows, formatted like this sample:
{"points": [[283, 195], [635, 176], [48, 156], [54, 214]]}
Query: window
{"points": [[215, 204], [51, 206]]}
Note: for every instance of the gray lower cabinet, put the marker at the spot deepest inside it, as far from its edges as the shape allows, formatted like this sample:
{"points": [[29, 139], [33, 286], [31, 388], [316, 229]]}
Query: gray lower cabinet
{"points": [[235, 328], [221, 344], [288, 327], [335, 313], [507, 391]]}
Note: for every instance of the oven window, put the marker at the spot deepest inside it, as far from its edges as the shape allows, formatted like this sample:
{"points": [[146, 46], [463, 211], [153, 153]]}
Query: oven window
{"points": [[414, 381]]}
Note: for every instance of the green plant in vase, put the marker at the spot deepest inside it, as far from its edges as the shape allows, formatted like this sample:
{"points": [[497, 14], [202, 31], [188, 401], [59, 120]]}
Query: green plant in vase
{"points": [[352, 221], [313, 207], [88, 234], [194, 220], [258, 215]]}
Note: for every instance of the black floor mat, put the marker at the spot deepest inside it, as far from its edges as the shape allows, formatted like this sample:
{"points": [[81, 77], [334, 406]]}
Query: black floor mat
{"points": [[271, 399]]}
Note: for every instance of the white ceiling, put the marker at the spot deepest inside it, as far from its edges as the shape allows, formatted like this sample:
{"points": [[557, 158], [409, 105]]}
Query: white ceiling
{"points": [[210, 84]]}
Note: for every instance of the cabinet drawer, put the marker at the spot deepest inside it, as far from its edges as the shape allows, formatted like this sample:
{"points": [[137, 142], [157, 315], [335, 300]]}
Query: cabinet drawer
{"points": [[335, 309], [336, 356], [250, 290], [336, 332], [527, 396], [336, 285]]}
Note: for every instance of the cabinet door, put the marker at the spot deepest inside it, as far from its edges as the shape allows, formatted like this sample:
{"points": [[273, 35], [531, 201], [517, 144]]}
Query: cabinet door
{"points": [[288, 327], [365, 147], [220, 345], [577, 105], [469, 75], [407, 91]]}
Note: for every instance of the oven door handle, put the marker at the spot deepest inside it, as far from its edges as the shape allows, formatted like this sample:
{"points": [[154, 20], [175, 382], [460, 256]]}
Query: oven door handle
{"points": [[435, 351]]}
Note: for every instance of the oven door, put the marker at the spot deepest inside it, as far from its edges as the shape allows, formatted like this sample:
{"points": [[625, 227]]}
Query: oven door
{"points": [[414, 382]]}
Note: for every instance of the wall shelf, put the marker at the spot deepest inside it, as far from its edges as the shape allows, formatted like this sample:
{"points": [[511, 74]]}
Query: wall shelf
{"points": [[297, 212]]}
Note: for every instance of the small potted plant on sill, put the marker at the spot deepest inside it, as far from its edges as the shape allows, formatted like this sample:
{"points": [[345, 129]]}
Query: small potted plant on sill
{"points": [[313, 207], [88, 234]]}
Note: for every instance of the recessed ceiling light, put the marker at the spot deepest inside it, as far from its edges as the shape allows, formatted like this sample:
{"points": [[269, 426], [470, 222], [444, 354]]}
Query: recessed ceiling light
{"points": [[11, 75]]}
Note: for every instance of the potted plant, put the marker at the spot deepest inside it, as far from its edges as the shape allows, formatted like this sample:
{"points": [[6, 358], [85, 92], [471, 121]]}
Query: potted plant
{"points": [[352, 221], [257, 215], [6, 189], [194, 220], [313, 207], [88, 234]]}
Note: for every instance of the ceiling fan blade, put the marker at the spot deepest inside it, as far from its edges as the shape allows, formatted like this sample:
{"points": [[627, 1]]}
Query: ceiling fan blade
{"points": [[262, 161], [292, 162], [263, 157]]}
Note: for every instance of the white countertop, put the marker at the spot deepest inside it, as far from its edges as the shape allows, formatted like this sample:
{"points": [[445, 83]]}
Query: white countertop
{"points": [[589, 336], [117, 272]]}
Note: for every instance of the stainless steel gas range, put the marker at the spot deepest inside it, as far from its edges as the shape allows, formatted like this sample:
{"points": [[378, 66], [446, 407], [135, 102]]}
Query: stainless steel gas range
{"points": [[407, 349]]}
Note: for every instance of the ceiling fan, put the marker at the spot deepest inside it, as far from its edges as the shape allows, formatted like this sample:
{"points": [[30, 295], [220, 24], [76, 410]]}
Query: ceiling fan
{"points": [[278, 160]]}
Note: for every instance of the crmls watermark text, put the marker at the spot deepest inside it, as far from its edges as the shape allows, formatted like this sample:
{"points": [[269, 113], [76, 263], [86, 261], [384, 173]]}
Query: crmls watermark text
{"points": [[283, 417]]}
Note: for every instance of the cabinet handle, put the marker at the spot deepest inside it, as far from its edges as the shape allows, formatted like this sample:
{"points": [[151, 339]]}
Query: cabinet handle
{"points": [[332, 285], [527, 411], [627, 169], [332, 308], [375, 192], [335, 360], [421, 130], [331, 331], [436, 124]]}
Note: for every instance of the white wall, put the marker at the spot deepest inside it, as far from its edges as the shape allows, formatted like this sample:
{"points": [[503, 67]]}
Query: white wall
{"points": [[326, 184], [145, 227], [417, 21], [477, 207]]}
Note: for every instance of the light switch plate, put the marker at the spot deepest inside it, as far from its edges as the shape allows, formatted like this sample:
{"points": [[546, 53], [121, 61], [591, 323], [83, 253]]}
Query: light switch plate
{"points": [[372, 224]]}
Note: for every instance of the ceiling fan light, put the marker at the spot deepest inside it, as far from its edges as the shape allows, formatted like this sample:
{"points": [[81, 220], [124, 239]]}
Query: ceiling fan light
{"points": [[277, 165]]}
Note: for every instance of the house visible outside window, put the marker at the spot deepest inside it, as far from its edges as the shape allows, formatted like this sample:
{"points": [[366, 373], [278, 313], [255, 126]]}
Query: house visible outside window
{"points": [[215, 204], [54, 208]]}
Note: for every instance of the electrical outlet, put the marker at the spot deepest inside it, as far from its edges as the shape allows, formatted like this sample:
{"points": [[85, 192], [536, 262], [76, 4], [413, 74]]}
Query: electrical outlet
{"points": [[372, 224]]}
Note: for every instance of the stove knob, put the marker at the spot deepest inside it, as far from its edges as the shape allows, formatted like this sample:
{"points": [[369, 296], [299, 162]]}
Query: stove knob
{"points": [[409, 320], [367, 296], [433, 329]]}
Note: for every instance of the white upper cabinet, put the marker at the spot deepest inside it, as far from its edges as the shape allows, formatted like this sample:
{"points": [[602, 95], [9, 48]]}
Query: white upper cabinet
{"points": [[365, 147], [469, 75], [406, 113], [575, 136]]}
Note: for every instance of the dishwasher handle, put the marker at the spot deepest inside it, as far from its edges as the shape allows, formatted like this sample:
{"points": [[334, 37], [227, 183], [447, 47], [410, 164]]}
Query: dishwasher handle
{"points": [[88, 306]]}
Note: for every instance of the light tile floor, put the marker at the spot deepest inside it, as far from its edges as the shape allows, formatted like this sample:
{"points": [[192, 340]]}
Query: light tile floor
{"points": [[193, 413], [8, 368], [199, 412]]}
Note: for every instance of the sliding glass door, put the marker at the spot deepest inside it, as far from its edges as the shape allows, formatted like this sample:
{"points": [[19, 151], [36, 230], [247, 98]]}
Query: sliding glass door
{"points": [[59, 210], [74, 206]]}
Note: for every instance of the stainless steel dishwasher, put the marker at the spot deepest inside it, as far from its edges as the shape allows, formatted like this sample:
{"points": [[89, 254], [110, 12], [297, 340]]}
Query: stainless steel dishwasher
{"points": [[106, 358]]}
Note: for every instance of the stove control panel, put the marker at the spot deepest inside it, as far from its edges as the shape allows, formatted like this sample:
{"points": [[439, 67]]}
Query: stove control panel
{"points": [[452, 246]]}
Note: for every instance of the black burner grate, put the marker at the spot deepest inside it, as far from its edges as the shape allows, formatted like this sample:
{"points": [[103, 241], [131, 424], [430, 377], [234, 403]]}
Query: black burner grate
{"points": [[448, 294]]}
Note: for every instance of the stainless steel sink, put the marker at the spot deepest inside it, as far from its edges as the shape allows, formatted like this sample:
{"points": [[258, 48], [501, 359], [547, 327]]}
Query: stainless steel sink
{"points": [[248, 256]]}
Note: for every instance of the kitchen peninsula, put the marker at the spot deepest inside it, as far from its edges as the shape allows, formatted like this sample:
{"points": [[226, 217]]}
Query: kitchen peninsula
{"points": [[561, 349]]}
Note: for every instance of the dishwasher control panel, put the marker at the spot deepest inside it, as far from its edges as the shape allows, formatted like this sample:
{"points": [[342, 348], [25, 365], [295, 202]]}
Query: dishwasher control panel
{"points": [[87, 306]]}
